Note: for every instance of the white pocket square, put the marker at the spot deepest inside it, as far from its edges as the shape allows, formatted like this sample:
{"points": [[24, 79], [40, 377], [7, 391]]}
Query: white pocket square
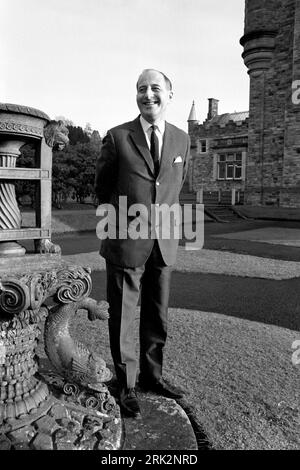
{"points": [[178, 159]]}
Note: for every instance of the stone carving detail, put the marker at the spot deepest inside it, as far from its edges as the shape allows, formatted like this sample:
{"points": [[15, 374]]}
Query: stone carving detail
{"points": [[72, 359], [14, 297], [21, 315], [258, 50], [10, 216], [29, 291], [99, 400], [20, 128], [56, 135], [26, 394], [33, 415], [21, 109], [45, 245], [40, 285], [74, 283], [20, 391]]}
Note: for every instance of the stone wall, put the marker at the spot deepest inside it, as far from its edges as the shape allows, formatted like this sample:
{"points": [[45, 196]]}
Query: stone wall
{"points": [[272, 55], [291, 162], [260, 14], [273, 165], [228, 138]]}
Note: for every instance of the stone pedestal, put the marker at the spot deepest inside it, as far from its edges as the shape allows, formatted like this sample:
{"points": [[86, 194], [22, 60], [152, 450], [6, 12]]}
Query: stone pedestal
{"points": [[68, 405]]}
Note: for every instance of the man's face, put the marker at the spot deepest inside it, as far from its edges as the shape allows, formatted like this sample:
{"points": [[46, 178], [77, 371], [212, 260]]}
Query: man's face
{"points": [[153, 96]]}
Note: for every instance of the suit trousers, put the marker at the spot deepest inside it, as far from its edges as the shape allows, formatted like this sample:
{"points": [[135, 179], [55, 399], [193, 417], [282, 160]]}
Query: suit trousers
{"points": [[150, 282]]}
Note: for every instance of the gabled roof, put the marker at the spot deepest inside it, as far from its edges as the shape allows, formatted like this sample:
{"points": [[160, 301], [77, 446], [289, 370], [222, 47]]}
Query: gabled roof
{"points": [[223, 119]]}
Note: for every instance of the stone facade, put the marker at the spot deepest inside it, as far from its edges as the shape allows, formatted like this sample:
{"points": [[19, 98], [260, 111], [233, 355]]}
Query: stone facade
{"points": [[218, 156], [269, 138], [272, 55]]}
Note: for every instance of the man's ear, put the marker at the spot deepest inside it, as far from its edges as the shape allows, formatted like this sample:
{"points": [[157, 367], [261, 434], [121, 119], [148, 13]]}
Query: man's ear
{"points": [[170, 94]]}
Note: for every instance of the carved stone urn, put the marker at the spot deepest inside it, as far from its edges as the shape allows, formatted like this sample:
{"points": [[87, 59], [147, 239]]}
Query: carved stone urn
{"points": [[20, 125], [68, 406]]}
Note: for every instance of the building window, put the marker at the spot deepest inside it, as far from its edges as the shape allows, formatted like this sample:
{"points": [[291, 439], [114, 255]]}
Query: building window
{"points": [[230, 166], [202, 146]]}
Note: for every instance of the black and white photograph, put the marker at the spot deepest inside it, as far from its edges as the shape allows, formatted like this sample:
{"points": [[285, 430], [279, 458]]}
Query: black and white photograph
{"points": [[149, 228]]}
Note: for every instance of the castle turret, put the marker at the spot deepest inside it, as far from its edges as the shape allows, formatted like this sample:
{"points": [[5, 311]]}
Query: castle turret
{"points": [[259, 35], [192, 120], [271, 54]]}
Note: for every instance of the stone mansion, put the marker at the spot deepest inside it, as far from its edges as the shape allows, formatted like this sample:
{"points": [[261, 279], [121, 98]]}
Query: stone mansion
{"points": [[253, 157]]}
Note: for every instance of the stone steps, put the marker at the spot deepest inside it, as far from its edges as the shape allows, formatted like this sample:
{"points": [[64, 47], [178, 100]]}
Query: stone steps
{"points": [[222, 213]]}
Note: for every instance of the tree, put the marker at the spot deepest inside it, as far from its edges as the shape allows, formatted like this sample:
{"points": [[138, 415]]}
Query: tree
{"points": [[74, 172], [73, 169], [25, 189], [83, 171], [77, 135], [67, 122], [95, 140], [88, 129], [61, 174]]}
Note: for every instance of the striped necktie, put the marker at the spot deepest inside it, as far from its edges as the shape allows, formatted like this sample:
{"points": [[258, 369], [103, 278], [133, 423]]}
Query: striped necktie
{"points": [[154, 149]]}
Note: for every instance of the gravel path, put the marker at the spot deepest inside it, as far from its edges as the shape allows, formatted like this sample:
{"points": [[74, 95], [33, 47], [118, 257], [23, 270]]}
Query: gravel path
{"points": [[274, 235], [242, 388], [212, 261]]}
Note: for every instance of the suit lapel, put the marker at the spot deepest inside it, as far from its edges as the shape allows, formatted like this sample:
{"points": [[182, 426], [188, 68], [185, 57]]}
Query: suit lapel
{"points": [[139, 139]]}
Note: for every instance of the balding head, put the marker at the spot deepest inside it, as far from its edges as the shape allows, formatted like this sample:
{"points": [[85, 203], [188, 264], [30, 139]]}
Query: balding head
{"points": [[166, 79]]}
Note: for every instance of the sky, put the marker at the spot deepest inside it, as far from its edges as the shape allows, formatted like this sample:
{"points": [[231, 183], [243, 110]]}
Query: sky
{"points": [[81, 58]]}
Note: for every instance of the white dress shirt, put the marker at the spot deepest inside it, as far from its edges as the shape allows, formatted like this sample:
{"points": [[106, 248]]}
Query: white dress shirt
{"points": [[160, 130]]}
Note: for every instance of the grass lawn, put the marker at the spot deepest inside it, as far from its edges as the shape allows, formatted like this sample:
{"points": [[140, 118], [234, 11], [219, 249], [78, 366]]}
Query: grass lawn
{"points": [[242, 387]]}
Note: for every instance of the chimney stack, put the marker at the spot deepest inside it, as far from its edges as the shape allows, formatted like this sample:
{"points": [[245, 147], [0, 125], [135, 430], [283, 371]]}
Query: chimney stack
{"points": [[212, 108]]}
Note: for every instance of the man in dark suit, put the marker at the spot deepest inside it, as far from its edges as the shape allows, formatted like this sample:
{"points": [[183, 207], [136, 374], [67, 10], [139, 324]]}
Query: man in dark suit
{"points": [[146, 161]]}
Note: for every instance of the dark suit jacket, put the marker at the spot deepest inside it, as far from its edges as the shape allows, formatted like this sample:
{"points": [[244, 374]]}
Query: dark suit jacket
{"points": [[125, 168]]}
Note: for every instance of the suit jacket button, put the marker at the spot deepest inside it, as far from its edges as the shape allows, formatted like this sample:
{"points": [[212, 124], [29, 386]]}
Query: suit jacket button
{"points": [[157, 183]]}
